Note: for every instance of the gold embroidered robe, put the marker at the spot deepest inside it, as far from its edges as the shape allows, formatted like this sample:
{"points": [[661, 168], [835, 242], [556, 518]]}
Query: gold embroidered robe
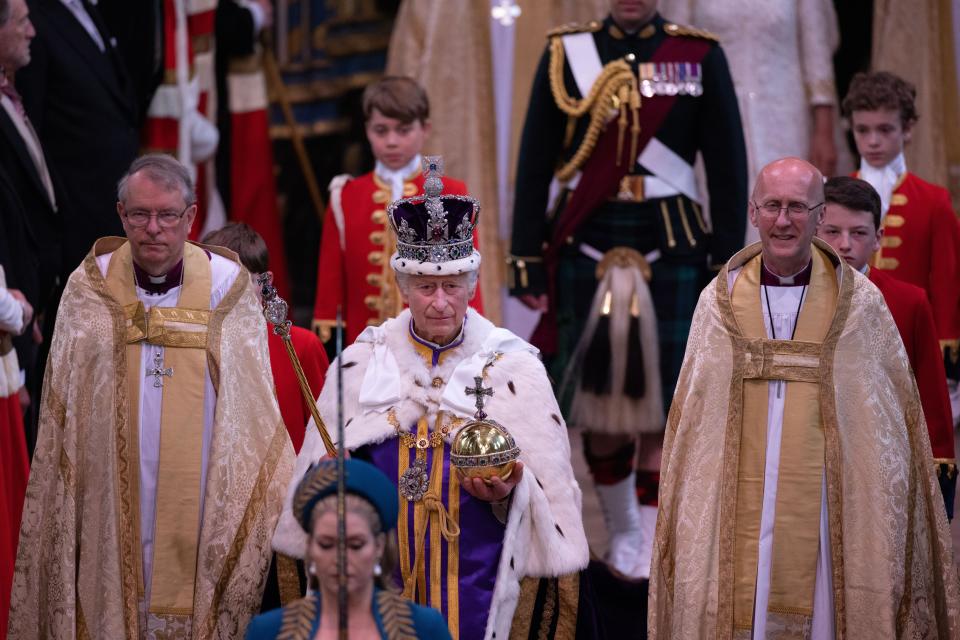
{"points": [[78, 571], [892, 562]]}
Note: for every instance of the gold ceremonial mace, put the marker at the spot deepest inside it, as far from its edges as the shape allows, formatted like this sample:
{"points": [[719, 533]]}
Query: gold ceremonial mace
{"points": [[275, 311]]}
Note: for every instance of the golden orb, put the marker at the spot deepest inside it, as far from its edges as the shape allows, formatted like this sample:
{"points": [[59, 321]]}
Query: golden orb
{"points": [[484, 449]]}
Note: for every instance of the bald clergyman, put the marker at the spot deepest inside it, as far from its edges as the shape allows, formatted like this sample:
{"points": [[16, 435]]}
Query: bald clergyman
{"points": [[797, 496]]}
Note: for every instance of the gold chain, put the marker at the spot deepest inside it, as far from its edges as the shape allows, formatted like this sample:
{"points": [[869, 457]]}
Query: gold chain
{"points": [[411, 441], [615, 88]]}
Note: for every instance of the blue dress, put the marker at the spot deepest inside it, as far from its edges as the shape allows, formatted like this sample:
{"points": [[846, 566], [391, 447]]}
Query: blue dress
{"points": [[300, 619]]}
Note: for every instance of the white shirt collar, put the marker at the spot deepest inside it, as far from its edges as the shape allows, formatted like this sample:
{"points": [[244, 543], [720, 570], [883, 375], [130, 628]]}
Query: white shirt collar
{"points": [[884, 179], [396, 178]]}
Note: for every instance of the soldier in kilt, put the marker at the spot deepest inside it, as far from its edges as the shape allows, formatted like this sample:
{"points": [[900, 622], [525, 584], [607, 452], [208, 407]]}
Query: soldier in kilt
{"points": [[610, 239]]}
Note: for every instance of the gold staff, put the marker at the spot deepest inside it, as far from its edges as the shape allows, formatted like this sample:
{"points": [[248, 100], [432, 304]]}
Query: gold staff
{"points": [[275, 311]]}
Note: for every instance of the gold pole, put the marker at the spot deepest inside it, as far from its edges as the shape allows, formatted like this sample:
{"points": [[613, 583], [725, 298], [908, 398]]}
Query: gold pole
{"points": [[308, 394], [275, 310]]}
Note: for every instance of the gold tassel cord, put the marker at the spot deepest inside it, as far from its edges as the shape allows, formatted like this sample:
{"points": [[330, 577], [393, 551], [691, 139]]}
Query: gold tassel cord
{"points": [[433, 504], [615, 88], [622, 101], [635, 125]]}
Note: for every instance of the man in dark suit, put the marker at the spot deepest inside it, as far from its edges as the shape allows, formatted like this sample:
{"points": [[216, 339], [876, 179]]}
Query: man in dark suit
{"points": [[138, 28], [82, 105], [30, 212], [32, 207]]}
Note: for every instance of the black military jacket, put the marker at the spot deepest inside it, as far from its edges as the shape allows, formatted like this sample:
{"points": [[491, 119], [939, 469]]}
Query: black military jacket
{"points": [[708, 123]]}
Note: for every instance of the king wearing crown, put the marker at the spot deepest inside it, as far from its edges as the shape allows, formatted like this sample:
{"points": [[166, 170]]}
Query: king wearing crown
{"points": [[483, 550]]}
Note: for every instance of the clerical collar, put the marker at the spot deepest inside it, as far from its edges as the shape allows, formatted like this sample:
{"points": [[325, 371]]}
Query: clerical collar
{"points": [[396, 178], [158, 285], [432, 349], [799, 279]]}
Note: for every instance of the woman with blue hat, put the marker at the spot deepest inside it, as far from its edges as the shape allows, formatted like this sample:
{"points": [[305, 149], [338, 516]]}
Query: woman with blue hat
{"points": [[374, 611]]}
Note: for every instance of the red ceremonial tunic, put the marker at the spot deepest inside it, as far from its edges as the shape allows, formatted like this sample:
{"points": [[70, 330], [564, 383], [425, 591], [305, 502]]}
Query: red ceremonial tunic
{"points": [[313, 359], [371, 295], [911, 311], [14, 469], [921, 245]]}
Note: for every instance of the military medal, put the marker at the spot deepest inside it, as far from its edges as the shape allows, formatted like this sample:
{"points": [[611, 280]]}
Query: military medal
{"points": [[670, 87], [645, 71], [659, 76], [681, 77], [670, 79], [695, 81]]}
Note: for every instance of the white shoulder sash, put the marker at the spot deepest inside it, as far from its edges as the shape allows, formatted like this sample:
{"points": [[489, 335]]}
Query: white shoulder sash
{"points": [[584, 61], [668, 166]]}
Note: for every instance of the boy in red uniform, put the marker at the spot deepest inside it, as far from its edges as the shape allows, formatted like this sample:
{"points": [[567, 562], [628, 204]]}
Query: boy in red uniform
{"points": [[921, 236], [851, 225], [252, 251], [355, 237]]}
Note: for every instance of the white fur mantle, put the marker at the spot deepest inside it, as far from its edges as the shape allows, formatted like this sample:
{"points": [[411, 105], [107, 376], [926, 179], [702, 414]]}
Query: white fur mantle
{"points": [[544, 536]]}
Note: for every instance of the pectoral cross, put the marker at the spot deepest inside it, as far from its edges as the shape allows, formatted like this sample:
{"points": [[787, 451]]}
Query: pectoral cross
{"points": [[480, 391], [158, 371]]}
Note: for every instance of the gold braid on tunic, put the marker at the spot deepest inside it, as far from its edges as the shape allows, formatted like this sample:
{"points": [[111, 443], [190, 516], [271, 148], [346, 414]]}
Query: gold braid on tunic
{"points": [[614, 89]]}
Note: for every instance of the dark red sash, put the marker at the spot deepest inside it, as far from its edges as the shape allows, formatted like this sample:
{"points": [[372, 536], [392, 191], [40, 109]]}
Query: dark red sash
{"points": [[601, 174]]}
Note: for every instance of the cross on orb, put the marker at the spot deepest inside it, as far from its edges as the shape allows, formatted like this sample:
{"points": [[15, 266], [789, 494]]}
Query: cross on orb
{"points": [[480, 391]]}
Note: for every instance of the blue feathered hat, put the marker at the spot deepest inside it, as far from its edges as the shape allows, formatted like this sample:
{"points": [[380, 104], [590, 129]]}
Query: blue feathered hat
{"points": [[361, 478]]}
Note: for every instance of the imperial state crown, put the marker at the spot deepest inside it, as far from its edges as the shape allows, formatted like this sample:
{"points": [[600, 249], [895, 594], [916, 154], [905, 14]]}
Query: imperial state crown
{"points": [[434, 231]]}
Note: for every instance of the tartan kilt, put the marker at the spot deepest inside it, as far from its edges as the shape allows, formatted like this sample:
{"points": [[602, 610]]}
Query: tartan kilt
{"points": [[678, 277]]}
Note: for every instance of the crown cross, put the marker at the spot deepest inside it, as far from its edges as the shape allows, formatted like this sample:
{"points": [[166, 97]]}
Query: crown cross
{"points": [[437, 228], [480, 392], [433, 172]]}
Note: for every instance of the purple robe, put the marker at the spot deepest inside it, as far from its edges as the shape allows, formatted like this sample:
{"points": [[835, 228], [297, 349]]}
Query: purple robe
{"points": [[477, 548]]}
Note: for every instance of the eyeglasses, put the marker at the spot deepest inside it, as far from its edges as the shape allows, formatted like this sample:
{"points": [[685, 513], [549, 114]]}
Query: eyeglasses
{"points": [[167, 218], [772, 208]]}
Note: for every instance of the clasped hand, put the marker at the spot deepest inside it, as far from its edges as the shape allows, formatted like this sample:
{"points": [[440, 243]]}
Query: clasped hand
{"points": [[495, 489]]}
